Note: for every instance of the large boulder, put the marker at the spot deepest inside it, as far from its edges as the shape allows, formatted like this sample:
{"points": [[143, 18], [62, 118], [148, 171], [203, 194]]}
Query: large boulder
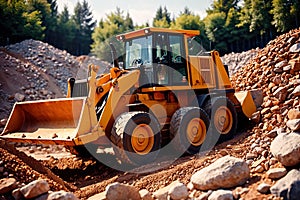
{"points": [[176, 190], [286, 148], [221, 195], [35, 188], [62, 195], [7, 185], [288, 187], [226, 172], [119, 191], [293, 124]]}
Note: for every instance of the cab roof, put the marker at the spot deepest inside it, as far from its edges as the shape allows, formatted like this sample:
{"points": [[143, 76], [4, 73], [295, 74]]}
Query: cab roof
{"points": [[147, 31]]}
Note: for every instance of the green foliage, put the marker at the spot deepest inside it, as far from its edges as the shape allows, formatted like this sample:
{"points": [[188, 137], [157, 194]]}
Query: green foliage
{"points": [[18, 22], [84, 24], [66, 31], [51, 33], [260, 17], [190, 21], [215, 24], [115, 23], [222, 6], [161, 23], [44, 11], [286, 14], [186, 11], [33, 26], [230, 25], [162, 18], [187, 21]]}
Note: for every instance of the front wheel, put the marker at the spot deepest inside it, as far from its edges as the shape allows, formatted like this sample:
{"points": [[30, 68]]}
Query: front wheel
{"points": [[188, 129], [137, 138]]}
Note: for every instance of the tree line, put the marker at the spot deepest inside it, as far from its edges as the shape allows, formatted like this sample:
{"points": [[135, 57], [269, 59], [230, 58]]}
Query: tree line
{"points": [[230, 25], [40, 20]]}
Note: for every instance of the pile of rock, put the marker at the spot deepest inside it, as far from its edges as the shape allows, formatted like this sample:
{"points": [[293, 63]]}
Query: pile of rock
{"points": [[213, 182], [33, 70], [15, 174], [236, 61], [36, 86], [59, 64], [275, 70], [38, 189], [286, 148]]}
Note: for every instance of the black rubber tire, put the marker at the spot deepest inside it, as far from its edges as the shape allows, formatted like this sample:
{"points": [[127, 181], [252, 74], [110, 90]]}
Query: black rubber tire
{"points": [[231, 130], [122, 134], [207, 107], [178, 128]]}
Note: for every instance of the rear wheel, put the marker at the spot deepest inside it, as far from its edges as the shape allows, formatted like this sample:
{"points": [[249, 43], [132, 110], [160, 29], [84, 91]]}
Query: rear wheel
{"points": [[188, 129], [137, 138]]}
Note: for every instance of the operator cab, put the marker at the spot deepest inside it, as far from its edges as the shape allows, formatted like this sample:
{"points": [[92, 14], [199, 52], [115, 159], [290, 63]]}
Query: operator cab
{"points": [[159, 55]]}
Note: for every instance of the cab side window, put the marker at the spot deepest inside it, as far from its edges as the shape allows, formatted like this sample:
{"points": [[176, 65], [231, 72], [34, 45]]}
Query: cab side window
{"points": [[176, 45], [161, 58], [178, 59]]}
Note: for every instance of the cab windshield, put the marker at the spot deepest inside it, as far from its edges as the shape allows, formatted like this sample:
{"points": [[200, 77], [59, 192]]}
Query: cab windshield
{"points": [[160, 57], [138, 52]]}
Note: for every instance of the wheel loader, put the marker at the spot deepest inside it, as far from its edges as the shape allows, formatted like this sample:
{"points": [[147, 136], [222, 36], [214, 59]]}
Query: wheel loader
{"points": [[166, 92]]}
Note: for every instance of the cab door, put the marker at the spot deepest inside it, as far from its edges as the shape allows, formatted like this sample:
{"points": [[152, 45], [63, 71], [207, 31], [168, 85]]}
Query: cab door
{"points": [[169, 59]]}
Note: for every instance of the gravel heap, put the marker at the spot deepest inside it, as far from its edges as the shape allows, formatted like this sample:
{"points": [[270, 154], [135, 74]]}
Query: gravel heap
{"points": [[235, 61], [33, 70], [55, 62], [275, 70]]}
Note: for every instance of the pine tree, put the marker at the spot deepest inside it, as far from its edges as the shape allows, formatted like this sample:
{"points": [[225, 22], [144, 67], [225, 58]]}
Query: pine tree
{"points": [[85, 24], [66, 31], [44, 11], [51, 34], [162, 18]]}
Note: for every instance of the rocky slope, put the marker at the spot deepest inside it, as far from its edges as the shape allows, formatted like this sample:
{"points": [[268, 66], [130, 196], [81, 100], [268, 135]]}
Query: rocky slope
{"points": [[275, 70], [236, 61], [33, 70]]}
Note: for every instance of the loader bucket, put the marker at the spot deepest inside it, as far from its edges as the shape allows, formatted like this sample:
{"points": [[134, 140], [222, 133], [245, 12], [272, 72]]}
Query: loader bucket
{"points": [[250, 101], [55, 121]]}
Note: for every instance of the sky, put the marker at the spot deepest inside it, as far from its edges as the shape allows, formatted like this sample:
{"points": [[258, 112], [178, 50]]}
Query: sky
{"points": [[141, 11]]}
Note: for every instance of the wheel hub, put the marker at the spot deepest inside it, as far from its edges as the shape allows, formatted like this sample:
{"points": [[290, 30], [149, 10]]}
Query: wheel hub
{"points": [[196, 131], [142, 139], [223, 120]]}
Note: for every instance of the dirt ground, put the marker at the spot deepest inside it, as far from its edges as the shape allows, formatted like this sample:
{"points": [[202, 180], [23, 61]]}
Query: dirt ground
{"points": [[91, 177]]}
